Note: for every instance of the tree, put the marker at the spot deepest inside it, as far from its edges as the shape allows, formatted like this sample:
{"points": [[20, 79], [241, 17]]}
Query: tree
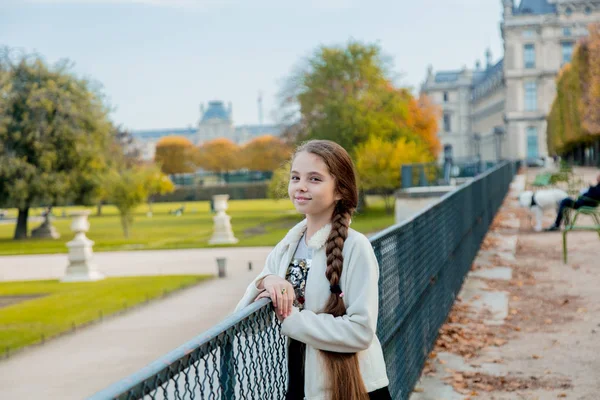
{"points": [[54, 135], [157, 183], [123, 154], [345, 94], [125, 147], [330, 91], [574, 118], [265, 153], [175, 155], [423, 116], [278, 185], [378, 163], [129, 188], [219, 155]]}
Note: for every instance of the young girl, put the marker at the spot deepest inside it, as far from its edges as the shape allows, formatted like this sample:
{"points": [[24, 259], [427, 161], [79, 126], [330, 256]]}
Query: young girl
{"points": [[322, 278]]}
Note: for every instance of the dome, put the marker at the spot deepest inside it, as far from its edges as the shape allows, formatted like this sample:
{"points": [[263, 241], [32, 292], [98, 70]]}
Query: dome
{"points": [[216, 110]]}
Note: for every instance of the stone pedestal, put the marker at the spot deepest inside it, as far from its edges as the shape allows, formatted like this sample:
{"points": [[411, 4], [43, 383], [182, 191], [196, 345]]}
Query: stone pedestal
{"points": [[223, 234], [45, 230], [80, 267]]}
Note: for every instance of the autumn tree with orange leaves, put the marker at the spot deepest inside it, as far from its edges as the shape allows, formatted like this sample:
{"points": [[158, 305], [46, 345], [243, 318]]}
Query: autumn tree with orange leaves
{"points": [[574, 118], [346, 94], [219, 155], [175, 155], [264, 153]]}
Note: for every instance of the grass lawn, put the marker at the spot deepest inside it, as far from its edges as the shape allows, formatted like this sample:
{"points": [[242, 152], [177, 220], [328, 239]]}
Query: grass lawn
{"points": [[36, 309], [255, 223]]}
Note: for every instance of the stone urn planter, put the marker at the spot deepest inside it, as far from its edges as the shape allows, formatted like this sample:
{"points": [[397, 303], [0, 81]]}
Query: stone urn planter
{"points": [[222, 234], [81, 268]]}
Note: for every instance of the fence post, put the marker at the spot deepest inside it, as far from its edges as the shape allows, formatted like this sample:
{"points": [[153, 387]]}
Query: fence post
{"points": [[228, 370], [406, 176]]}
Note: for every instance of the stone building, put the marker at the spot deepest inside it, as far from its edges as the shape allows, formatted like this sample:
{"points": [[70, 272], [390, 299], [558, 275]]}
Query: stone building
{"points": [[499, 110]]}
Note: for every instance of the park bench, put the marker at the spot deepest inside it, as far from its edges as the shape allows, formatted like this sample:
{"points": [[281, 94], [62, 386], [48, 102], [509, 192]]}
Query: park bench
{"points": [[571, 222], [3, 214]]}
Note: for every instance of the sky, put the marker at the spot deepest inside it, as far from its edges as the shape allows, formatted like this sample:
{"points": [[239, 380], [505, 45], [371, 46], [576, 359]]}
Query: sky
{"points": [[158, 60]]}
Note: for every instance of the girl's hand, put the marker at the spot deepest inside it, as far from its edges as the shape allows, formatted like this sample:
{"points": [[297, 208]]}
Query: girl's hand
{"points": [[281, 293], [266, 295]]}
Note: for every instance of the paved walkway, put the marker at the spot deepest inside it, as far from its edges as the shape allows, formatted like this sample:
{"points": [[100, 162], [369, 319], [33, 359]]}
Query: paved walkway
{"points": [[134, 263], [77, 365], [533, 328]]}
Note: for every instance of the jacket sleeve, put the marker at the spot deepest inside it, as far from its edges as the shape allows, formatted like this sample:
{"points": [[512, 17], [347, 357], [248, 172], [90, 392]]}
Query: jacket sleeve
{"points": [[354, 331], [271, 268], [593, 192]]}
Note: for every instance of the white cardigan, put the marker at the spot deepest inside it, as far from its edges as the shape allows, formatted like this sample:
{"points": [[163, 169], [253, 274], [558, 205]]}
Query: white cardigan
{"points": [[353, 332]]}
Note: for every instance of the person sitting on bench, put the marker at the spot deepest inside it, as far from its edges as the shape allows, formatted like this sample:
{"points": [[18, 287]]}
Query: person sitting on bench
{"points": [[590, 198]]}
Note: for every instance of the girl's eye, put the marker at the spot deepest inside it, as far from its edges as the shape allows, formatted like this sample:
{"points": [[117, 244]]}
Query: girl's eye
{"points": [[294, 178], [315, 178]]}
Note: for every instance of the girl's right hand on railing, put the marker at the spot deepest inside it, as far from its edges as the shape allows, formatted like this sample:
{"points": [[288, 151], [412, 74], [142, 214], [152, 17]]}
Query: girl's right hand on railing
{"points": [[281, 293]]}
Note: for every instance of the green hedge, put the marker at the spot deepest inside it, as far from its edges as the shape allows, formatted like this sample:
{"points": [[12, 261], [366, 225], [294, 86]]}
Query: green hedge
{"points": [[246, 191]]}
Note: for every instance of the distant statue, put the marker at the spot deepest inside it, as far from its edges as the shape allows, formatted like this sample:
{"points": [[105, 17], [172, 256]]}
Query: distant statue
{"points": [[46, 230]]}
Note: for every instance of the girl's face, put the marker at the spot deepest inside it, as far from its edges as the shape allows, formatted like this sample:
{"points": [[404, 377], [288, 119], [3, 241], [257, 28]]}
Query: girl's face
{"points": [[312, 187]]}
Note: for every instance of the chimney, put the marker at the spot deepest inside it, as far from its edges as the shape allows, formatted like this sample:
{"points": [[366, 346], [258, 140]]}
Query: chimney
{"points": [[488, 58]]}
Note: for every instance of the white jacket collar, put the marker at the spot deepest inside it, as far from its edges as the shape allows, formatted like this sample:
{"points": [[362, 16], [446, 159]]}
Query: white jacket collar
{"points": [[317, 240]]}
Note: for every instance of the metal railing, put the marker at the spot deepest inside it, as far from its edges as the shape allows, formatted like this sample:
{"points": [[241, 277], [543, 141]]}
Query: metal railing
{"points": [[433, 174], [423, 262]]}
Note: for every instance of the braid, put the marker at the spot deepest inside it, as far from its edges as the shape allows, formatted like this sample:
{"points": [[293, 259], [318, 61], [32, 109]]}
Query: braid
{"points": [[343, 368], [335, 259]]}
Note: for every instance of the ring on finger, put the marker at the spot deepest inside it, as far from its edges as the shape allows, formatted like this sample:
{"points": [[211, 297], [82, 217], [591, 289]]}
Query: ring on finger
{"points": [[283, 291]]}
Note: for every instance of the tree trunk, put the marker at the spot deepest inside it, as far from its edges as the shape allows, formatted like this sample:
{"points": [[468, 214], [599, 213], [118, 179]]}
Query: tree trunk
{"points": [[99, 209], [150, 204], [125, 225], [389, 204], [21, 229], [362, 201]]}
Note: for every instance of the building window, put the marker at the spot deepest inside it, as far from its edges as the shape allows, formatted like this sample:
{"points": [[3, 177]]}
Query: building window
{"points": [[445, 97], [530, 96], [529, 55], [447, 126], [528, 33], [566, 31], [567, 52], [588, 10], [532, 142], [568, 11]]}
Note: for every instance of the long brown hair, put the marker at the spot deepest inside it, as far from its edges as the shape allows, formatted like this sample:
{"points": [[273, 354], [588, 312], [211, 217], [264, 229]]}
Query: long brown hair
{"points": [[342, 368]]}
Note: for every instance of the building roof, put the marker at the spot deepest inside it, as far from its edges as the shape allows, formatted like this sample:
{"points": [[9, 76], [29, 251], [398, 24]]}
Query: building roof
{"points": [[488, 73], [256, 130], [447, 76], [488, 80], [535, 7], [216, 110]]}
